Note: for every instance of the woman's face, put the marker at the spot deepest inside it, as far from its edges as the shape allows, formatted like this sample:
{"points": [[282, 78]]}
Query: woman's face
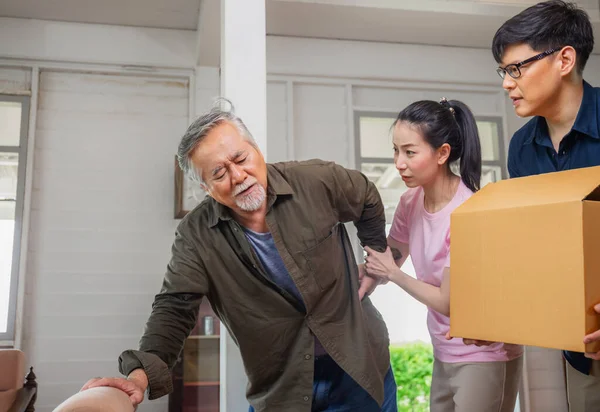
{"points": [[415, 159]]}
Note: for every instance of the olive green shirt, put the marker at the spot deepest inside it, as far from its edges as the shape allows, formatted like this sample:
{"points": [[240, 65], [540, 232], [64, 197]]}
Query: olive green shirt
{"points": [[307, 202]]}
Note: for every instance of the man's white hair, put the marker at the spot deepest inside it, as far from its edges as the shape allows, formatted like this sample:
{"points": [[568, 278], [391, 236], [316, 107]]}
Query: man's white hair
{"points": [[198, 130]]}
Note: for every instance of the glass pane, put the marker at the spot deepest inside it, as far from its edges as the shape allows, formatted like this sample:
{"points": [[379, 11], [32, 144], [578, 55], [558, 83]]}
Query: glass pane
{"points": [[488, 135], [490, 174], [376, 137], [388, 182], [8, 194], [10, 123]]}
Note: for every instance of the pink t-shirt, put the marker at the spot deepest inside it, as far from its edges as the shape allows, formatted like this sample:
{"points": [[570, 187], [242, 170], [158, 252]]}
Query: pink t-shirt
{"points": [[428, 237]]}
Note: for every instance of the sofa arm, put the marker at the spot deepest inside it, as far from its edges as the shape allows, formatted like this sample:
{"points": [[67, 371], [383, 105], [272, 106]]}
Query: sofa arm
{"points": [[24, 400], [101, 399], [13, 366]]}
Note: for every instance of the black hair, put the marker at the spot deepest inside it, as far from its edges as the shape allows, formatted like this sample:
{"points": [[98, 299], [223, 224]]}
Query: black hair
{"points": [[548, 25], [449, 122]]}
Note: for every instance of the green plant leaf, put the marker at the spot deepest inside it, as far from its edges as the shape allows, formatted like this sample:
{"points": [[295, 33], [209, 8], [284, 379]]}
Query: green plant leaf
{"points": [[412, 365]]}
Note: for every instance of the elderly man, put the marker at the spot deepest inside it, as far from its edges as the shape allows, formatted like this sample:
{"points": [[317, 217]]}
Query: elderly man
{"points": [[269, 250]]}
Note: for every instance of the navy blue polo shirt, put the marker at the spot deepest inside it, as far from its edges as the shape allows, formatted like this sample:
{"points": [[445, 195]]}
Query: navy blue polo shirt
{"points": [[531, 152]]}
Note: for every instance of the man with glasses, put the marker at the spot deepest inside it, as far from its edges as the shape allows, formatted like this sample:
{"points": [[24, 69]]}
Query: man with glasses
{"points": [[542, 52]]}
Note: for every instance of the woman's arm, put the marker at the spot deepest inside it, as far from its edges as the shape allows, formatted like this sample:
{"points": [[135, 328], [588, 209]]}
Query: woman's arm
{"points": [[400, 251], [386, 266]]}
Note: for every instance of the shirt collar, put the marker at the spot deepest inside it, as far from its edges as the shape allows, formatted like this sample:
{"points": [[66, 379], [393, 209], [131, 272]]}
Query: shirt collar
{"points": [[586, 121], [587, 118]]}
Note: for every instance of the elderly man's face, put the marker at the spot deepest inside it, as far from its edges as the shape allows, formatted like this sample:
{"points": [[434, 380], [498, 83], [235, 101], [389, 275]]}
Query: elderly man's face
{"points": [[234, 171]]}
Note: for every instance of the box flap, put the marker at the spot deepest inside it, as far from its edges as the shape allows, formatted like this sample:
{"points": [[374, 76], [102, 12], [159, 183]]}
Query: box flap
{"points": [[595, 195], [558, 187]]}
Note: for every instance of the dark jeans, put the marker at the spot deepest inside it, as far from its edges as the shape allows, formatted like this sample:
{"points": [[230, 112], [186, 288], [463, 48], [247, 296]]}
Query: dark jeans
{"points": [[335, 391]]}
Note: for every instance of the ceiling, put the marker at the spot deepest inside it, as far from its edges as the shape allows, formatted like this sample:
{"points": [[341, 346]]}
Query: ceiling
{"points": [[465, 23], [167, 14], [438, 27], [462, 23]]}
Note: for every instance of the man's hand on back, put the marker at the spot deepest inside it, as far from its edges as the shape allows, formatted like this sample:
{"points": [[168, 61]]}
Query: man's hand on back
{"points": [[367, 284]]}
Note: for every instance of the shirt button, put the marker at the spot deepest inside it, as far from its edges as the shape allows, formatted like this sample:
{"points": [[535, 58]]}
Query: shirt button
{"points": [[305, 399], [307, 357]]}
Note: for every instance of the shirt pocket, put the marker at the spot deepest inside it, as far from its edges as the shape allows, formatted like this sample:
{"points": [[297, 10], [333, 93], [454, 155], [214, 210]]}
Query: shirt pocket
{"points": [[326, 260]]}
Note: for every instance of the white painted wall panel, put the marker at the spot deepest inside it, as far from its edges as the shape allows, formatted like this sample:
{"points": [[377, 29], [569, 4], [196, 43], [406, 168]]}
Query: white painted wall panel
{"points": [[102, 221], [320, 123], [207, 88], [380, 98], [277, 122], [15, 80], [72, 42]]}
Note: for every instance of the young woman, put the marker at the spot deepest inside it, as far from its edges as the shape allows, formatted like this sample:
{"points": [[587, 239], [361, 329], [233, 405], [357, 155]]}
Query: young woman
{"points": [[428, 138]]}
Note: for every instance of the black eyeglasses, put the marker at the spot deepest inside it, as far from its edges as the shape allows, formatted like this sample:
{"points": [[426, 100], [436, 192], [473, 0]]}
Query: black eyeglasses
{"points": [[514, 70]]}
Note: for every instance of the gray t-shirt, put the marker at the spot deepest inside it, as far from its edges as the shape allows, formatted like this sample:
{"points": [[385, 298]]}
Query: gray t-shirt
{"points": [[267, 253], [264, 247]]}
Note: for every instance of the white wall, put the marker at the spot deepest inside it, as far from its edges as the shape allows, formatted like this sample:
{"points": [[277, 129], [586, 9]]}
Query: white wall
{"points": [[101, 221], [207, 88], [316, 85], [378, 61], [101, 216], [96, 43], [15, 80], [384, 62]]}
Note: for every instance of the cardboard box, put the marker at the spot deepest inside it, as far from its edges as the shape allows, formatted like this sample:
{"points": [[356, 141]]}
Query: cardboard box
{"points": [[525, 261]]}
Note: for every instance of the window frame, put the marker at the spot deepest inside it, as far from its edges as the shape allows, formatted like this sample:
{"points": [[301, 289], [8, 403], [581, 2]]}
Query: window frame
{"points": [[21, 150], [359, 160], [502, 155]]}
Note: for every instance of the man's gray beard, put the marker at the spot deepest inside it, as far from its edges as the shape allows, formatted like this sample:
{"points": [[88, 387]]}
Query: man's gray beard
{"points": [[252, 201]]}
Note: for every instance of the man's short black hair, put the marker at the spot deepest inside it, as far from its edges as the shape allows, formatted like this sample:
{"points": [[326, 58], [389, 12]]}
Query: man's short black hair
{"points": [[547, 25]]}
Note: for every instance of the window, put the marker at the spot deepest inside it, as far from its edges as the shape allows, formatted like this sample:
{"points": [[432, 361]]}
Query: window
{"points": [[492, 149], [14, 115]]}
